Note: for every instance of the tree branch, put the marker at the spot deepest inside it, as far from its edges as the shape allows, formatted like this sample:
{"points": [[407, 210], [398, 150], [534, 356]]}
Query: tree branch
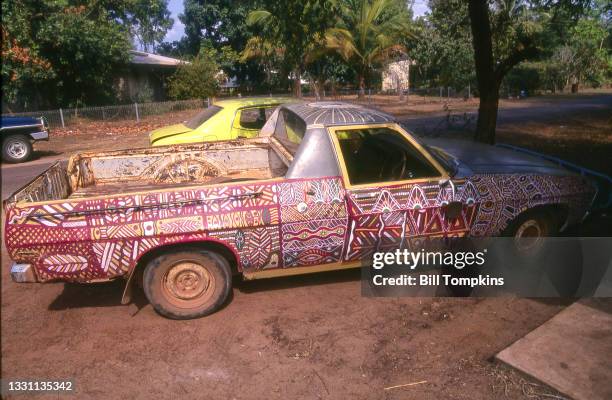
{"points": [[527, 50]]}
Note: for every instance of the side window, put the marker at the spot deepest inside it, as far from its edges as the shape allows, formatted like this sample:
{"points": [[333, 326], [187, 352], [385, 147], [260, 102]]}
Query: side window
{"points": [[269, 111], [290, 130], [381, 155], [253, 118]]}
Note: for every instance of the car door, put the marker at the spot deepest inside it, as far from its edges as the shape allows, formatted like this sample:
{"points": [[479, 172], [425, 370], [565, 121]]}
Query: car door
{"points": [[313, 211], [396, 192], [249, 121]]}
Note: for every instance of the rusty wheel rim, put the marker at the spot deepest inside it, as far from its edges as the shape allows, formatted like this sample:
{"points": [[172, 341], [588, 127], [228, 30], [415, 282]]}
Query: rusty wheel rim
{"points": [[188, 284]]}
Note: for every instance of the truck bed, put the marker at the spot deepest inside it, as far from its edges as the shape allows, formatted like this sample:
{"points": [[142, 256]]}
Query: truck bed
{"points": [[149, 169]]}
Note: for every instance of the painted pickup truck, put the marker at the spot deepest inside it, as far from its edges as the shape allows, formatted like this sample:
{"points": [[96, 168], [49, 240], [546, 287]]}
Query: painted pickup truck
{"points": [[17, 135], [323, 187]]}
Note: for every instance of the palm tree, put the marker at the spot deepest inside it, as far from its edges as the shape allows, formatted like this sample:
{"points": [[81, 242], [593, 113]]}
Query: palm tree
{"points": [[369, 32]]}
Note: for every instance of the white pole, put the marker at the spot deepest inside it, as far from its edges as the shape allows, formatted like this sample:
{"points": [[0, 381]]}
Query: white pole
{"points": [[62, 118], [137, 116]]}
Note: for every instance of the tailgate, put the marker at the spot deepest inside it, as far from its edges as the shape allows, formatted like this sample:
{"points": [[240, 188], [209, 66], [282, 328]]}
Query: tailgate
{"points": [[51, 184]]}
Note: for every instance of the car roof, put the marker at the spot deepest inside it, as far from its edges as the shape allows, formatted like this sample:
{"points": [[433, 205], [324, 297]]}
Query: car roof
{"points": [[336, 113], [253, 101]]}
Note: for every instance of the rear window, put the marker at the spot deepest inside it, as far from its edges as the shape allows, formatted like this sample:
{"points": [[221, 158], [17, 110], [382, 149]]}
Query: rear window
{"points": [[290, 130], [201, 117], [254, 118]]}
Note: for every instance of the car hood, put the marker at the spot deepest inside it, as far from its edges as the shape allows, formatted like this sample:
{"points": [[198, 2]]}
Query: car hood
{"points": [[486, 159], [17, 121], [167, 131]]}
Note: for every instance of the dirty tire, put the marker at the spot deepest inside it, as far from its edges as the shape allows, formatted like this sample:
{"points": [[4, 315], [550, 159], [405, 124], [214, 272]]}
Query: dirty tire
{"points": [[16, 149], [187, 284]]}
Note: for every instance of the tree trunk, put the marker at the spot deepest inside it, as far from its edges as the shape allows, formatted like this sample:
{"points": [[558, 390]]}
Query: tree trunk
{"points": [[488, 81], [316, 88], [297, 83], [361, 86], [487, 115]]}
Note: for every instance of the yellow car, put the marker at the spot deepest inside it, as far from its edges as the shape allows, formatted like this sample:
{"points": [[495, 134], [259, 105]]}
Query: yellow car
{"points": [[223, 120]]}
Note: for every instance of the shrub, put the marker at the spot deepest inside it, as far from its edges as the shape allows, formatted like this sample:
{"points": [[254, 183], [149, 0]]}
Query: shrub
{"points": [[194, 80]]}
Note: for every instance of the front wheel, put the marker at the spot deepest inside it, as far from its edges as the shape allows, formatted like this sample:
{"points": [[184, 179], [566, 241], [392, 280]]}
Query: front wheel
{"points": [[529, 232], [16, 148], [187, 284]]}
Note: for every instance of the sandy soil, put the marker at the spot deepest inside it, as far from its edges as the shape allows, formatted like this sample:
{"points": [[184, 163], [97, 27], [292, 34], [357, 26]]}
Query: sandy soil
{"points": [[311, 337]]}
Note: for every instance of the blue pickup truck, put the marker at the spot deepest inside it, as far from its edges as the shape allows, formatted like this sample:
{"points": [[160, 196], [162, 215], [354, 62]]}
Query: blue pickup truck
{"points": [[18, 134]]}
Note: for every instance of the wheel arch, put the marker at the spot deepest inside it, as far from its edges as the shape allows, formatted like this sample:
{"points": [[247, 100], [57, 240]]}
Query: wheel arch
{"points": [[558, 212], [210, 244]]}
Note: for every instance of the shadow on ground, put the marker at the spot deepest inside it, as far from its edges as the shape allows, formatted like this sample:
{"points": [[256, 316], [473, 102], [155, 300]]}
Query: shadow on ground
{"points": [[289, 282], [82, 295]]}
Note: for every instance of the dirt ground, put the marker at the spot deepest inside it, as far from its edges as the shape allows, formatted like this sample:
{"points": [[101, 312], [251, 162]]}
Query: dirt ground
{"points": [[311, 337], [303, 337]]}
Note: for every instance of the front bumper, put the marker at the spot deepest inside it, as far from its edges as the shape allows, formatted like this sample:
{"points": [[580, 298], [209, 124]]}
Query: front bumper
{"points": [[23, 273], [42, 135]]}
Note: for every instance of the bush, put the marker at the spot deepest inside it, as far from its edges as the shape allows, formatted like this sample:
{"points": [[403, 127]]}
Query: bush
{"points": [[195, 80]]}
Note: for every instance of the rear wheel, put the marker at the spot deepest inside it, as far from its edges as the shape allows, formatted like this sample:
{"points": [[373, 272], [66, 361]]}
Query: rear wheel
{"points": [[187, 284], [16, 148]]}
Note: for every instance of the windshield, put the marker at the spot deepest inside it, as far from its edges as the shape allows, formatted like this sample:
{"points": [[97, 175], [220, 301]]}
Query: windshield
{"points": [[202, 116], [448, 162]]}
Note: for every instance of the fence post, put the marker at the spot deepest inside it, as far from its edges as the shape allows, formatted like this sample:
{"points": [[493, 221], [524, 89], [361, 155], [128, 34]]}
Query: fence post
{"points": [[207, 102], [469, 92], [448, 92], [441, 89], [137, 116], [62, 118]]}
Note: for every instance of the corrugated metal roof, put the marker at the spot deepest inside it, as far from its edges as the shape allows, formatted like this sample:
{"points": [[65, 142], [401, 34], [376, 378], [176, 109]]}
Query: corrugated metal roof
{"points": [[142, 58], [331, 113]]}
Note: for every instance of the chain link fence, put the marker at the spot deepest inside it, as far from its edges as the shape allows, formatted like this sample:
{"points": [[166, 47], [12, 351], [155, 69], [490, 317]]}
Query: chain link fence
{"points": [[410, 97], [67, 117]]}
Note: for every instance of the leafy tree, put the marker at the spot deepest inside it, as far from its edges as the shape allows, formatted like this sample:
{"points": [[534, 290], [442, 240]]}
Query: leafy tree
{"points": [[197, 79], [584, 57], [63, 53], [72, 52], [442, 46], [294, 26], [505, 33], [269, 55], [220, 24], [328, 70], [149, 21], [369, 32]]}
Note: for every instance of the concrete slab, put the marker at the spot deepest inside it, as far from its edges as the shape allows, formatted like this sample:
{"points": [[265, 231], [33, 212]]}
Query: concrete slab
{"points": [[572, 352]]}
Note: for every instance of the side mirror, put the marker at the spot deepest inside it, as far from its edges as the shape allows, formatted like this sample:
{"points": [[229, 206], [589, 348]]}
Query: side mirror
{"points": [[453, 210]]}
